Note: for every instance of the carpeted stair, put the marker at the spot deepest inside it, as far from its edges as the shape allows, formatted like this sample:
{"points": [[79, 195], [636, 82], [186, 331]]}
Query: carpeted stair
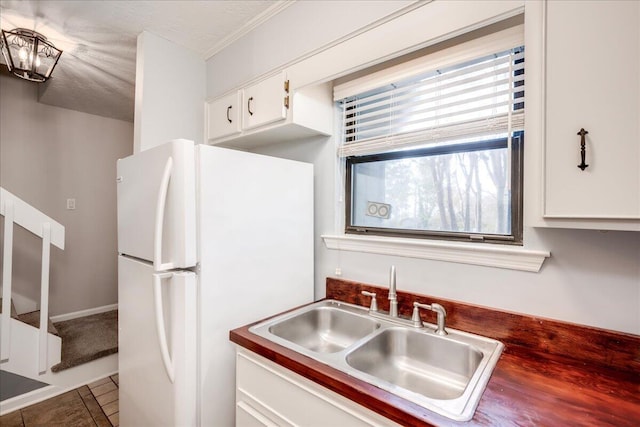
{"points": [[83, 339], [87, 338], [32, 318]]}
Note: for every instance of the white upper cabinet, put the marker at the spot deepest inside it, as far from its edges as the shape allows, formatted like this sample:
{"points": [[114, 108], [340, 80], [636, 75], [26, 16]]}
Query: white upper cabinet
{"points": [[224, 116], [265, 102], [270, 111], [591, 75]]}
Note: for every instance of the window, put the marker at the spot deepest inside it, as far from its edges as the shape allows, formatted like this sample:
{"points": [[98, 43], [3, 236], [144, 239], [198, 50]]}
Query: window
{"points": [[437, 153]]}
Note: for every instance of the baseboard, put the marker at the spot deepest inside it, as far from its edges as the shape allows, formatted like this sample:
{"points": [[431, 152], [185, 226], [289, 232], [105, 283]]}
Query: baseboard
{"points": [[83, 313]]}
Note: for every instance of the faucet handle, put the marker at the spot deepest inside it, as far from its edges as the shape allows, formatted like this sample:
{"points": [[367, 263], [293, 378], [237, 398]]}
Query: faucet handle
{"points": [[415, 317], [440, 311], [374, 303]]}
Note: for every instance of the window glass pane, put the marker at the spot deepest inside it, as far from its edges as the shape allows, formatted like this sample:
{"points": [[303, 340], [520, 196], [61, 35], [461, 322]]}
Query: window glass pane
{"points": [[454, 192], [439, 154]]}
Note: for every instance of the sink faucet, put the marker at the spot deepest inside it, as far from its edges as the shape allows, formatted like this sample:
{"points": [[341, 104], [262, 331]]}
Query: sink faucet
{"points": [[374, 304], [393, 297], [441, 312]]}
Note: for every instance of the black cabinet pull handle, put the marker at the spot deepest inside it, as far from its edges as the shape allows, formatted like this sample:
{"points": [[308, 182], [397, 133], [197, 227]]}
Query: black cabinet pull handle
{"points": [[583, 149], [249, 106], [228, 110]]}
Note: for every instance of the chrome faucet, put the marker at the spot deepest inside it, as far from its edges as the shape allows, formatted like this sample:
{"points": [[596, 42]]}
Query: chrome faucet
{"points": [[441, 312], [393, 297], [374, 304]]}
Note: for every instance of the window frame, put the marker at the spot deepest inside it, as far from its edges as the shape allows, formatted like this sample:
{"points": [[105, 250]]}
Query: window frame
{"points": [[516, 174]]}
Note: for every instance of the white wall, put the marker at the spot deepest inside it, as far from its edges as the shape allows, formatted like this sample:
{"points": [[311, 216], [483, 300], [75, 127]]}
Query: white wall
{"points": [[170, 87], [49, 154], [592, 278], [297, 30]]}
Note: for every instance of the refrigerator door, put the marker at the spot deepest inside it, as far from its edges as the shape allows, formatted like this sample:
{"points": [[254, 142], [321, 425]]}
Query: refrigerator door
{"points": [[256, 257], [157, 345], [157, 205]]}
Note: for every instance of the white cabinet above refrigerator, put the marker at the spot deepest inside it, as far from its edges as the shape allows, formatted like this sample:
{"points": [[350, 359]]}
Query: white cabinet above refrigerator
{"points": [[272, 110]]}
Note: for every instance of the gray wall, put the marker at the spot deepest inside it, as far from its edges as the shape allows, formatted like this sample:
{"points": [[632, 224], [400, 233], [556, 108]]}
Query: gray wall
{"points": [[49, 154], [592, 277]]}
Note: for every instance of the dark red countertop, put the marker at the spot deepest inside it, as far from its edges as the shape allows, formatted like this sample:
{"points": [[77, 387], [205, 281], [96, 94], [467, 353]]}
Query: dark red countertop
{"points": [[551, 373]]}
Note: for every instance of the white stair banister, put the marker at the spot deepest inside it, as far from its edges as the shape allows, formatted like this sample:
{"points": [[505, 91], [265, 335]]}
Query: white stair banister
{"points": [[7, 264], [31, 219], [44, 298], [16, 211]]}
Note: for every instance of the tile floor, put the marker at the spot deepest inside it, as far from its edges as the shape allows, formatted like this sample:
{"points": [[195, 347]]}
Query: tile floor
{"points": [[95, 404]]}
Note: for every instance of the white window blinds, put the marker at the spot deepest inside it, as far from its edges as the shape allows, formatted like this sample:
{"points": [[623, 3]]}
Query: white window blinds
{"points": [[480, 96]]}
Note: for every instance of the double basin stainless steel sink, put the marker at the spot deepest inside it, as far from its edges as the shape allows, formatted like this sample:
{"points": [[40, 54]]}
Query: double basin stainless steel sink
{"points": [[445, 374]]}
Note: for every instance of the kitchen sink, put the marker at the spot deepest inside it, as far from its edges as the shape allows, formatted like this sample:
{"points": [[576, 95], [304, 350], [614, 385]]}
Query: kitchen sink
{"points": [[325, 329], [445, 374], [427, 364]]}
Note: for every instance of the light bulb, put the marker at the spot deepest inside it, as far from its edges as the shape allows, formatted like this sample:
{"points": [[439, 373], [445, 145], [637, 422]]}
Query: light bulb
{"points": [[37, 60], [22, 53]]}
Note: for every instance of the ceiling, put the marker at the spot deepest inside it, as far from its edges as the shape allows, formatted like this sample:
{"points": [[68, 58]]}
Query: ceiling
{"points": [[96, 72]]}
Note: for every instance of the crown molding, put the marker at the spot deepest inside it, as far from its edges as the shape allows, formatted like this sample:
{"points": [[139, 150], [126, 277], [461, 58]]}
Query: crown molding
{"points": [[258, 20]]}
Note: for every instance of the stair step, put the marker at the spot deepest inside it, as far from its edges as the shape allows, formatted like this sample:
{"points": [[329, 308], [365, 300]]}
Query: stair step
{"points": [[87, 338], [14, 313], [33, 319]]}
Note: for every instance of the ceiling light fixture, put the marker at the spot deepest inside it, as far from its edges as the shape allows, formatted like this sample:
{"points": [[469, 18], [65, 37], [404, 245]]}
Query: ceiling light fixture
{"points": [[28, 54]]}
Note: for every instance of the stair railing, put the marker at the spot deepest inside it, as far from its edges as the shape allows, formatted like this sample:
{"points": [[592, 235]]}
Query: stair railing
{"points": [[16, 211]]}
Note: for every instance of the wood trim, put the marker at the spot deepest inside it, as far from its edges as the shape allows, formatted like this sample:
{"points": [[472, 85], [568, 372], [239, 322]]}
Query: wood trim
{"points": [[555, 339]]}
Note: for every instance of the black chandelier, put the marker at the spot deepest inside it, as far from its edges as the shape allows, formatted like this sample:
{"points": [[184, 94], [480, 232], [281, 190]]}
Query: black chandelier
{"points": [[28, 54]]}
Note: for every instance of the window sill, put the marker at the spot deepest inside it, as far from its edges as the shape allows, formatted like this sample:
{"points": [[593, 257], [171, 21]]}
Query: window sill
{"points": [[465, 253]]}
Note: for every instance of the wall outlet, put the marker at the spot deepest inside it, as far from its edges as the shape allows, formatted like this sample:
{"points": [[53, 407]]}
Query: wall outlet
{"points": [[71, 204]]}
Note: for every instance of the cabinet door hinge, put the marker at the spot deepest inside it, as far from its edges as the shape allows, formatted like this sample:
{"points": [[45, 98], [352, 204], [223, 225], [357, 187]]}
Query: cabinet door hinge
{"points": [[286, 86], [286, 101]]}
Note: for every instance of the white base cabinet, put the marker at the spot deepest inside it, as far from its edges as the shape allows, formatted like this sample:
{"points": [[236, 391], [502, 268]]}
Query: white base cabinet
{"points": [[269, 395]]}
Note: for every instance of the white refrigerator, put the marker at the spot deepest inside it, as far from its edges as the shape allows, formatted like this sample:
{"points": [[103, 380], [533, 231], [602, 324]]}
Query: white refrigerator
{"points": [[209, 239]]}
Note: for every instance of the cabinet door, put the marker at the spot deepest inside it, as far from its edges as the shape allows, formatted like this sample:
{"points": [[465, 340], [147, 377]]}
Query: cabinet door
{"points": [[592, 82], [223, 116], [264, 102], [269, 395]]}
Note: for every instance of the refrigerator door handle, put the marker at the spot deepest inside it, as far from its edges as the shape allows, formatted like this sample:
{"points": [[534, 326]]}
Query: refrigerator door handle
{"points": [[160, 208], [160, 329]]}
